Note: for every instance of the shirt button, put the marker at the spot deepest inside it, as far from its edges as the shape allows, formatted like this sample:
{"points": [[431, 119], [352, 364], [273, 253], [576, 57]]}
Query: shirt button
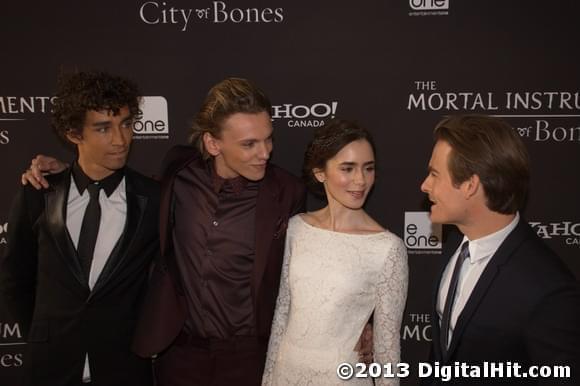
{"points": [[215, 223]]}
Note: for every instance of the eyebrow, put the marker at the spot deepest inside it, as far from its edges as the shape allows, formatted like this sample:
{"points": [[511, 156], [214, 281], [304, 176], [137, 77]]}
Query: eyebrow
{"points": [[108, 121], [348, 163], [254, 139], [101, 123]]}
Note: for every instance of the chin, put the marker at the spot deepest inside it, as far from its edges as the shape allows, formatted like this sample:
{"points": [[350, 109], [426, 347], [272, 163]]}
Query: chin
{"points": [[116, 165], [353, 205], [253, 176], [436, 219]]}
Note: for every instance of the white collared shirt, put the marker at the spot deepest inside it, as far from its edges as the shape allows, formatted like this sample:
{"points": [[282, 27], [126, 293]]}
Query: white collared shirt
{"points": [[111, 226], [480, 253]]}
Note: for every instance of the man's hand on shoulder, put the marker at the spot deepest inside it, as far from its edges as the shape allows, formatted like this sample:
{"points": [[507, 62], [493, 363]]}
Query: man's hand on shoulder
{"points": [[41, 166]]}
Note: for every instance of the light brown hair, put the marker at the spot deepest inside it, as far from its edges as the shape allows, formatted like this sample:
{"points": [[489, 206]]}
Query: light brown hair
{"points": [[491, 149], [230, 96]]}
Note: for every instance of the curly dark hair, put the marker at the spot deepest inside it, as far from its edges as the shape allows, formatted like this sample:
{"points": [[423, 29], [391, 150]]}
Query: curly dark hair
{"points": [[80, 92], [327, 142]]}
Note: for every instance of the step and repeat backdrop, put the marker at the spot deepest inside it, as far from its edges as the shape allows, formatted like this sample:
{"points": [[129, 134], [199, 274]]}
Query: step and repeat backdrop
{"points": [[395, 66]]}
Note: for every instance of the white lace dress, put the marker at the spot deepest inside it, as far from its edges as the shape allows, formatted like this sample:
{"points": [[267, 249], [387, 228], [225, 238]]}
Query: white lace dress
{"points": [[331, 283]]}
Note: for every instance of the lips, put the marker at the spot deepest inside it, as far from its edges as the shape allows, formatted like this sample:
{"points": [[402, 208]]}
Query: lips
{"points": [[118, 153], [357, 194]]}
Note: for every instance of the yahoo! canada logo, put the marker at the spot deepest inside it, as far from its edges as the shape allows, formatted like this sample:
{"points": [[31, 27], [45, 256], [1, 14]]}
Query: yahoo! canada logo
{"points": [[567, 231], [313, 115]]}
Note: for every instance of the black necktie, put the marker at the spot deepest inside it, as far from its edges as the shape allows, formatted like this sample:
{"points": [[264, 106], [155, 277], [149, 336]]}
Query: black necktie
{"points": [[89, 229], [449, 300]]}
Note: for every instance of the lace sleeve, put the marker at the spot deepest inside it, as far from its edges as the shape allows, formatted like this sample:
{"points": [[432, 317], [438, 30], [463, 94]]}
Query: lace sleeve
{"points": [[391, 297], [280, 315]]}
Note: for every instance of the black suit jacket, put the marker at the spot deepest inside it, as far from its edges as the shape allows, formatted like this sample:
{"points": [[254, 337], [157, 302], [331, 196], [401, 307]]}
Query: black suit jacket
{"points": [[525, 308], [41, 278], [280, 196]]}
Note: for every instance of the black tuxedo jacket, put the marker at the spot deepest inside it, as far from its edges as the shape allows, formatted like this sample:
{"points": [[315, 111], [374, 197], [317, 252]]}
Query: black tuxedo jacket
{"points": [[280, 196], [525, 308], [42, 281]]}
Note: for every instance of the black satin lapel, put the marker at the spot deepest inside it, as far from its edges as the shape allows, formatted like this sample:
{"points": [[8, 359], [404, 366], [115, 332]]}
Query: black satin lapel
{"points": [[135, 210], [500, 257], [56, 204]]}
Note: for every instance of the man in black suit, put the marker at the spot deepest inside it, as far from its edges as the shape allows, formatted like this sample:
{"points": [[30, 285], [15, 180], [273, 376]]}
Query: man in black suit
{"points": [[78, 252], [502, 295]]}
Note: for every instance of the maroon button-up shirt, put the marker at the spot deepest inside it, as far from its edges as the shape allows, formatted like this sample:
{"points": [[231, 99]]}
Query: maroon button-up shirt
{"points": [[213, 238]]}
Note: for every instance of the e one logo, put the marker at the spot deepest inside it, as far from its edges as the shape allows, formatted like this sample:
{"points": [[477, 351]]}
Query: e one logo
{"points": [[429, 5], [152, 117], [414, 240], [420, 233]]}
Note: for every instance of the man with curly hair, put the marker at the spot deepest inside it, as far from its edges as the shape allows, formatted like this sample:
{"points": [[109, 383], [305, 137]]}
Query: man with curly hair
{"points": [[78, 252]]}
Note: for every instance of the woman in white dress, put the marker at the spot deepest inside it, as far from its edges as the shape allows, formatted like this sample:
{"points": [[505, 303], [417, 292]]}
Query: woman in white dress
{"points": [[340, 266]]}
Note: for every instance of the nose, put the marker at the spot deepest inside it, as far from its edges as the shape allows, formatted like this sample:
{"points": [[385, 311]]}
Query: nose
{"points": [[120, 136], [425, 185], [360, 177], [264, 150]]}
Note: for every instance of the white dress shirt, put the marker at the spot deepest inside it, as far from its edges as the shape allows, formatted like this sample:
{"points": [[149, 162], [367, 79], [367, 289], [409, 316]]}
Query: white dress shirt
{"points": [[113, 216], [480, 253]]}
